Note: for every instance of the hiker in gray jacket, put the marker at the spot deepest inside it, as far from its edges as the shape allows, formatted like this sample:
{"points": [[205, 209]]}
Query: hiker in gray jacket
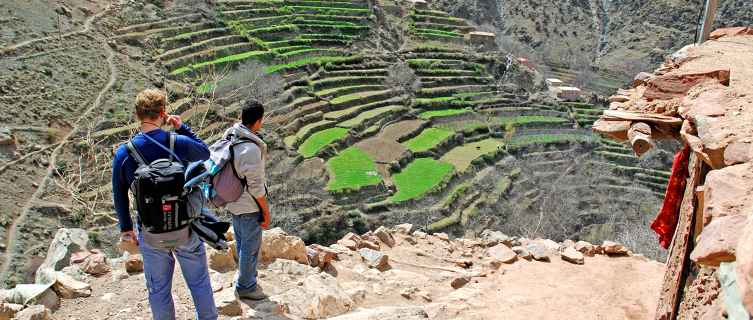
{"points": [[250, 212]]}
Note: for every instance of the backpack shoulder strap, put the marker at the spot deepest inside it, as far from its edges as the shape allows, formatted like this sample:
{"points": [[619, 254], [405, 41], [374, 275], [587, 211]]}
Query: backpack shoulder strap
{"points": [[135, 153], [173, 137]]}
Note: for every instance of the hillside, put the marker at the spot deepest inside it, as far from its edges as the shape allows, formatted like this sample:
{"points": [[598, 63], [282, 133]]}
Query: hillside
{"points": [[598, 45], [376, 117]]}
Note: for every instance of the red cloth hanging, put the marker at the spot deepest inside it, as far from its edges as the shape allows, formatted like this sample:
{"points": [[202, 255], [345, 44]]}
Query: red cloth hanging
{"points": [[666, 222]]}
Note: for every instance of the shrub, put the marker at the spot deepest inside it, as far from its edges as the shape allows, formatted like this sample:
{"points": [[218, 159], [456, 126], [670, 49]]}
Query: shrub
{"points": [[84, 73], [47, 71]]}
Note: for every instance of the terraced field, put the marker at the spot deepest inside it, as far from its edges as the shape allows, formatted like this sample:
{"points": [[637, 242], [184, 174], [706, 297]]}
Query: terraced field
{"points": [[339, 125]]}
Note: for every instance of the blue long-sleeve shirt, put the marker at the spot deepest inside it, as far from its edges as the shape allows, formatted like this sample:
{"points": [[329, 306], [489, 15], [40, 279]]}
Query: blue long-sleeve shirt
{"points": [[188, 147]]}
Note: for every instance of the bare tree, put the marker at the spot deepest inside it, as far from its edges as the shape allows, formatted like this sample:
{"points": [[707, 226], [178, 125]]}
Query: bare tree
{"points": [[402, 77]]}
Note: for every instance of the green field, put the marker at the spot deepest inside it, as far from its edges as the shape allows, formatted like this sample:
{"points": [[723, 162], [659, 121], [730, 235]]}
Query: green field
{"points": [[258, 55], [351, 169], [368, 115], [427, 139], [462, 126], [418, 177], [547, 138], [320, 139], [439, 113], [503, 121], [461, 157]]}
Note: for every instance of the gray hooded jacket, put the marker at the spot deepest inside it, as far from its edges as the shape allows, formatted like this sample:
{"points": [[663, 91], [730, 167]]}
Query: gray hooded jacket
{"points": [[250, 159]]}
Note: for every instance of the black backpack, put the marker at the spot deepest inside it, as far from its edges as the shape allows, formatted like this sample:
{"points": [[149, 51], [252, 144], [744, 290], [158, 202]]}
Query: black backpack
{"points": [[160, 198]]}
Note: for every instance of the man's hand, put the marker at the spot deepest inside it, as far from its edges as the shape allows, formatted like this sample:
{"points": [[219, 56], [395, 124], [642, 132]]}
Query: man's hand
{"points": [[174, 121], [267, 220], [132, 234]]}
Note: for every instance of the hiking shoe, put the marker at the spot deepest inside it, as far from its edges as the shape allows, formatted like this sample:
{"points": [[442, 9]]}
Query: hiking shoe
{"points": [[256, 294]]}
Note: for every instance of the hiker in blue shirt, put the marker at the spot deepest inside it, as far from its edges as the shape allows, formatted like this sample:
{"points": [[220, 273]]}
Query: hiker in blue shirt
{"points": [[159, 264]]}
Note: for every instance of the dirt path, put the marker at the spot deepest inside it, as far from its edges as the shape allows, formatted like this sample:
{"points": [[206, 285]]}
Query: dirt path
{"points": [[87, 27], [11, 251]]}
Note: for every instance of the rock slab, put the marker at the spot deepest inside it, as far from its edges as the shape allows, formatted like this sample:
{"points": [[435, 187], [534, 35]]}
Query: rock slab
{"points": [[537, 251], [276, 243], [384, 235], [729, 192], [502, 253], [675, 85], [226, 302], [69, 288], [614, 247], [404, 313], [718, 241], [66, 243], [374, 258], [572, 255], [744, 264]]}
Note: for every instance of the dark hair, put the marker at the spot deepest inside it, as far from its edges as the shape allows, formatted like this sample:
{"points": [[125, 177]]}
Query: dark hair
{"points": [[251, 111]]}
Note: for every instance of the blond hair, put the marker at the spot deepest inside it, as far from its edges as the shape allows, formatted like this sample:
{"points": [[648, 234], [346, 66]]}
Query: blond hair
{"points": [[150, 103]]}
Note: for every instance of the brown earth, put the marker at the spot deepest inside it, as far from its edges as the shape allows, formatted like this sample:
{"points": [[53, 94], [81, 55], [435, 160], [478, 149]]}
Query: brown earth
{"points": [[605, 287]]}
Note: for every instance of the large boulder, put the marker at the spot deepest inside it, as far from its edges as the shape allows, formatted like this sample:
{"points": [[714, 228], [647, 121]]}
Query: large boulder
{"points": [[729, 192], [373, 258], [744, 264], [502, 253], [66, 243], [276, 243], [69, 288], [718, 241], [731, 31], [675, 85], [319, 296], [401, 313]]}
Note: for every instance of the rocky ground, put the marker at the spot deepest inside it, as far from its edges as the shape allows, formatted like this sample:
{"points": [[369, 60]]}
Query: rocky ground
{"points": [[405, 275]]}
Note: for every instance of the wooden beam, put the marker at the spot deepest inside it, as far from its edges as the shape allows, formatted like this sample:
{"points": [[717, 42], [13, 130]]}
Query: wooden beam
{"points": [[618, 130], [615, 129], [678, 263], [708, 21], [640, 137], [616, 115]]}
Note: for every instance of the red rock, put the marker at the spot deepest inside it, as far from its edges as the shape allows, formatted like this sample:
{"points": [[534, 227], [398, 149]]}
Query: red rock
{"points": [[675, 85], [729, 192], [460, 280], [599, 249], [732, 31], [739, 152], [325, 254], [642, 78], [718, 241], [370, 245], [502, 253], [370, 236], [585, 248], [614, 247], [80, 257], [356, 239], [707, 104], [618, 98], [744, 264], [572, 255], [350, 244]]}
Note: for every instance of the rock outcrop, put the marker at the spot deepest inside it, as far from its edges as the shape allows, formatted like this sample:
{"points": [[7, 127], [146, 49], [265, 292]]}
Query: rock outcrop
{"points": [[276, 243], [66, 243], [718, 241]]}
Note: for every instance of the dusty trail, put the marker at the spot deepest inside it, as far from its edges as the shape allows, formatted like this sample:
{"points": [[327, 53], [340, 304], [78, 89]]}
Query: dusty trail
{"points": [[11, 251], [87, 27]]}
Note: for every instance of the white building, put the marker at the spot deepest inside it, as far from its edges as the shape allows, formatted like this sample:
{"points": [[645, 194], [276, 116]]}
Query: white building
{"points": [[554, 82], [567, 92]]}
